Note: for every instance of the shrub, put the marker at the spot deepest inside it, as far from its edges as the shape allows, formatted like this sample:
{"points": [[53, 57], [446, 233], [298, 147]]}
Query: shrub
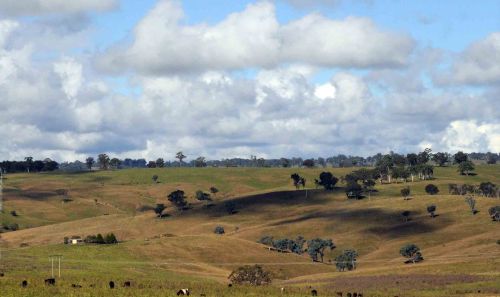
{"points": [[412, 252], [219, 230], [431, 189], [405, 192], [110, 239], [252, 275], [431, 209], [494, 213]]}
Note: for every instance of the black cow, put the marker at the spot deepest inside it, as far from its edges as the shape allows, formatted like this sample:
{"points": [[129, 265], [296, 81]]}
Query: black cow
{"points": [[111, 284], [314, 293], [229, 285], [183, 292], [76, 286], [126, 284], [2, 274], [50, 282], [339, 294], [24, 283]]}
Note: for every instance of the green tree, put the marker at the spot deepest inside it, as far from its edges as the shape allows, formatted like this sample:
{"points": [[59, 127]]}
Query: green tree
{"points": [[327, 180], [346, 260], [460, 157], [412, 252], [181, 157], [431, 189], [178, 199], [309, 163], [431, 209], [115, 163], [89, 162], [441, 158], [405, 192], [110, 239], [159, 209], [316, 247], [29, 163], [103, 161], [465, 167], [200, 162], [160, 163]]}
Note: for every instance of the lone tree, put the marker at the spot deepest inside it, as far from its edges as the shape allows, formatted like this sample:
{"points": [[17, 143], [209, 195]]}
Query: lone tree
{"points": [[181, 157], [346, 260], [298, 181], [251, 275], [406, 215], [472, 204], [103, 161], [327, 180], [431, 209], [159, 209], [219, 230], [115, 163], [89, 162], [431, 189], [214, 191], [200, 162], [309, 163], [202, 196], [412, 252], [465, 167], [405, 192], [317, 247], [178, 199]]}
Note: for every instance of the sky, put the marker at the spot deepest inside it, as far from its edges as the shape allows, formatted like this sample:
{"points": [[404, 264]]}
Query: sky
{"points": [[234, 78]]}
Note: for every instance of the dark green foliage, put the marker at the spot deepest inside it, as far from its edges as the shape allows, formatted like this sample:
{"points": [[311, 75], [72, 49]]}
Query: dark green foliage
{"points": [[460, 157], [230, 207], [251, 275], [159, 209], [405, 192], [316, 247], [353, 190], [441, 158], [431, 189], [295, 246], [431, 209], [178, 199], [471, 202], [465, 167], [412, 252], [99, 239], [494, 213], [309, 163], [488, 189], [298, 181], [327, 180], [346, 260], [219, 230], [160, 163]]}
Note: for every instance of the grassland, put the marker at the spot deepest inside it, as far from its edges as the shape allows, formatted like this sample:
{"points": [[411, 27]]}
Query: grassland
{"points": [[161, 255]]}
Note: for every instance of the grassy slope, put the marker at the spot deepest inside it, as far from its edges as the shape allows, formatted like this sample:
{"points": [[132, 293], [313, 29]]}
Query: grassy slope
{"points": [[454, 243]]}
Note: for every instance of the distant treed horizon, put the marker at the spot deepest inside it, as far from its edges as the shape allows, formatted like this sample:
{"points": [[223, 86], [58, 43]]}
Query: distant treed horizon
{"points": [[233, 79]]}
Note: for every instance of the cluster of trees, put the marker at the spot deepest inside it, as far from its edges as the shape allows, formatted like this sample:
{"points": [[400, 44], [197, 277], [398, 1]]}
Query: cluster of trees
{"points": [[285, 244], [28, 165], [109, 238], [486, 189], [346, 260]]}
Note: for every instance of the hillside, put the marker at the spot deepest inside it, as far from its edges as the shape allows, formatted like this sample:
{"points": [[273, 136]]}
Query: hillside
{"points": [[460, 249]]}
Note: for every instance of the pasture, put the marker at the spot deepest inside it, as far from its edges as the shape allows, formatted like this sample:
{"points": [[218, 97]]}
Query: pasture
{"points": [[159, 256]]}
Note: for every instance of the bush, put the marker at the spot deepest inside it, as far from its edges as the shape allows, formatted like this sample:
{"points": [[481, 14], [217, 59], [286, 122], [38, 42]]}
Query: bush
{"points": [[252, 275], [219, 230], [431, 189], [494, 213]]}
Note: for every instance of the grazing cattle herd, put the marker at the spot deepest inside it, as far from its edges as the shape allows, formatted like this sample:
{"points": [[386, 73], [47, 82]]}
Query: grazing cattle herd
{"points": [[184, 292]]}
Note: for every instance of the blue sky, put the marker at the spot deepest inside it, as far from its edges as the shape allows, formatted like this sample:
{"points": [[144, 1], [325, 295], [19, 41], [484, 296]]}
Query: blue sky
{"points": [[238, 78]]}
